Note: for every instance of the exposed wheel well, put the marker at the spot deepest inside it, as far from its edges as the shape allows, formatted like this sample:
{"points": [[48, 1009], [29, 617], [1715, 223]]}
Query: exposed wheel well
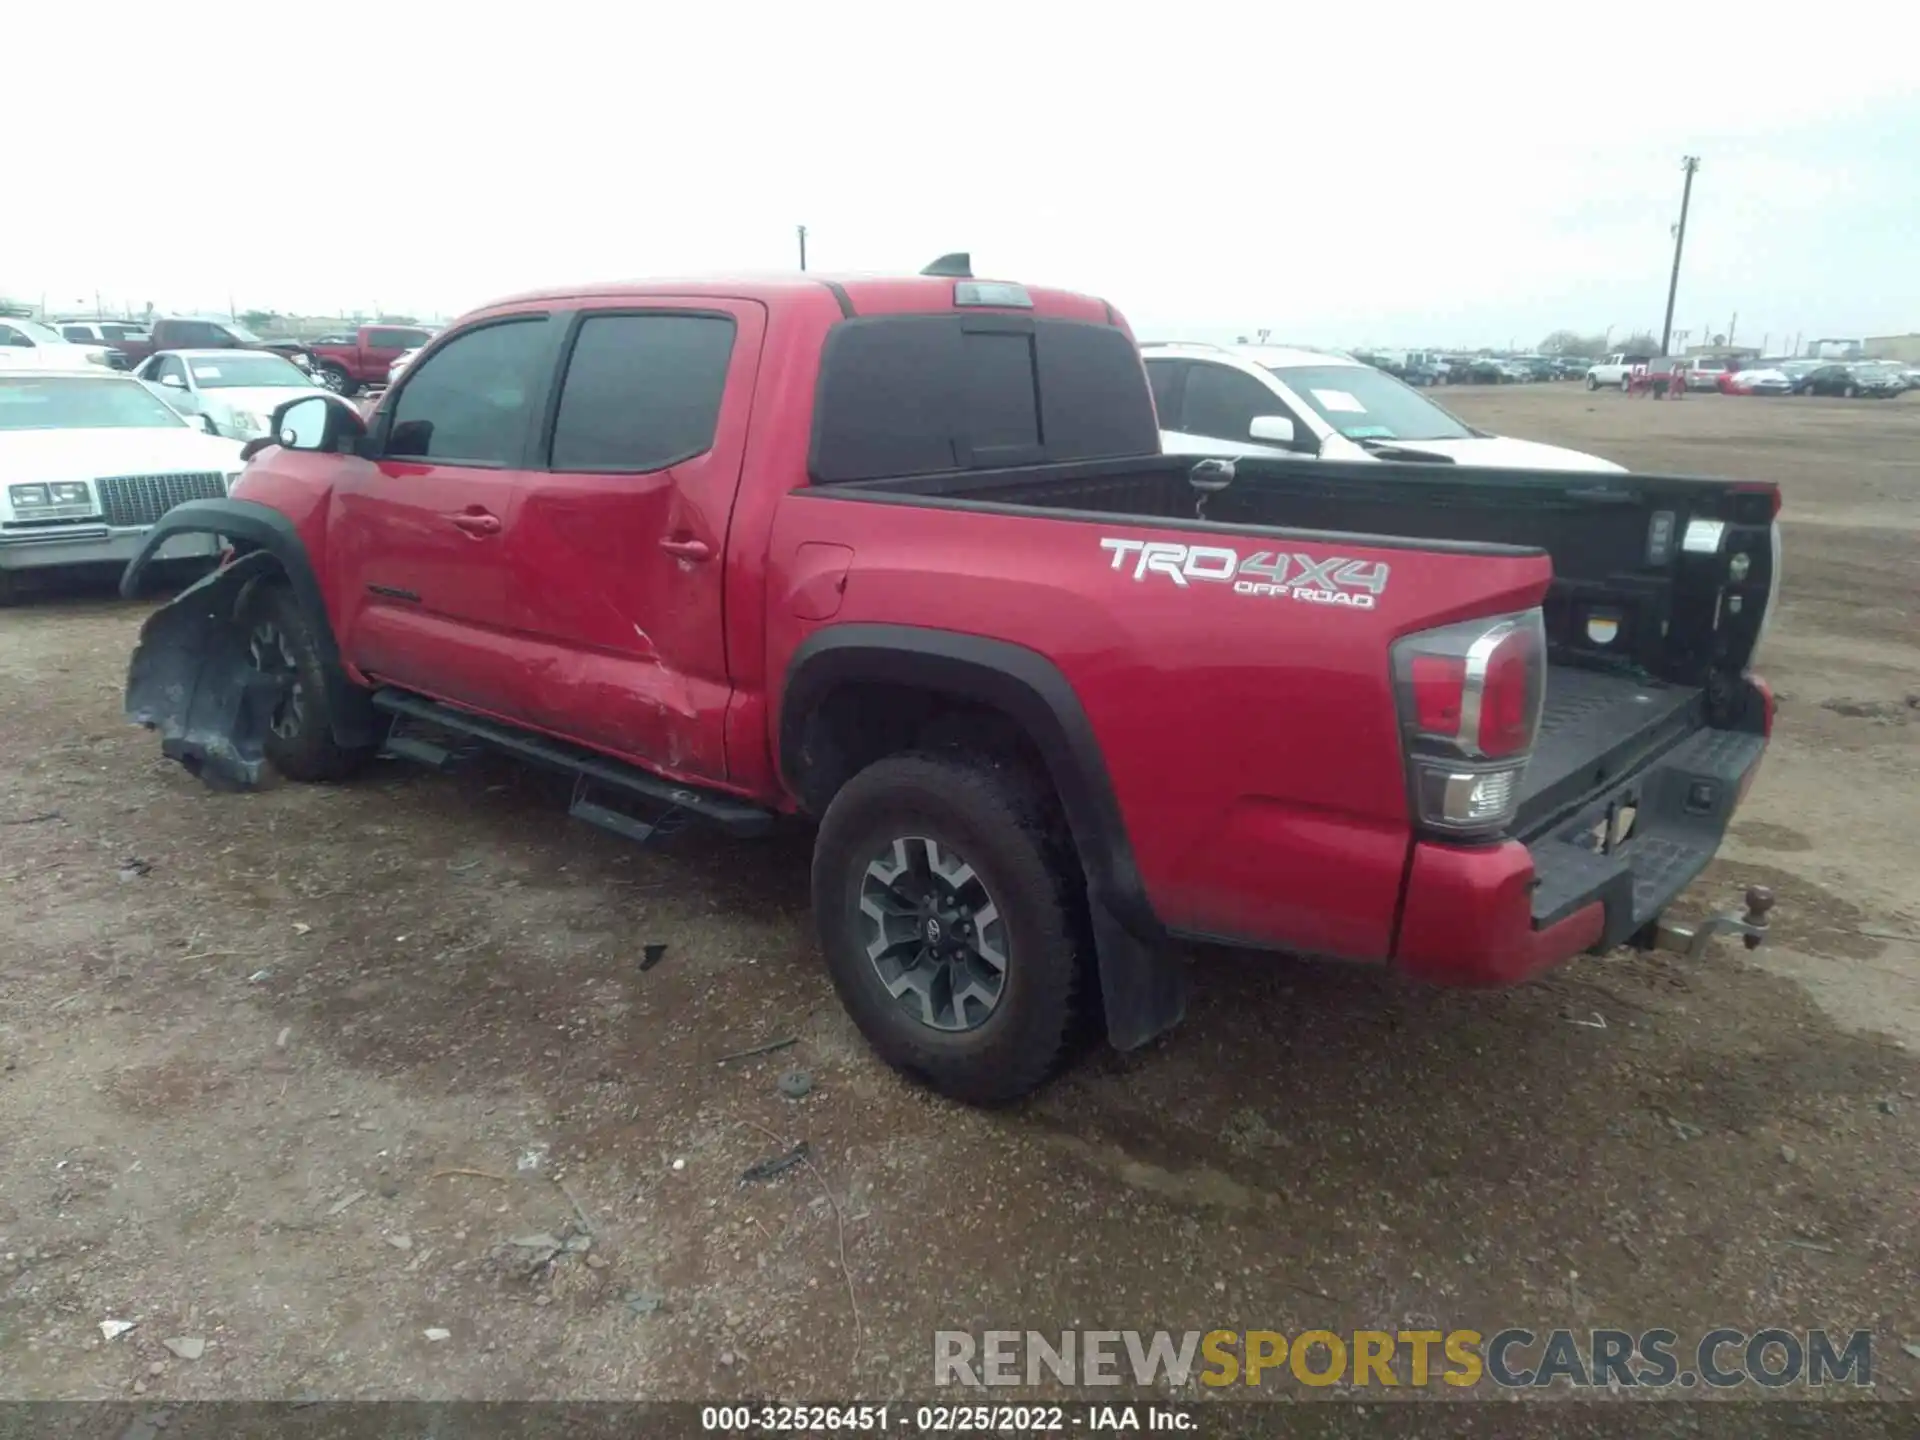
{"points": [[861, 721]]}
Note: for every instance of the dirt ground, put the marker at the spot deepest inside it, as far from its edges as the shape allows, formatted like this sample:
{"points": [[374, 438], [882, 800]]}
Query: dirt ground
{"points": [[291, 1073]]}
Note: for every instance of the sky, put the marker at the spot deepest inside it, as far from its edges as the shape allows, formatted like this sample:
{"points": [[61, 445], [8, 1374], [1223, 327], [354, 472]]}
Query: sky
{"points": [[1357, 175]]}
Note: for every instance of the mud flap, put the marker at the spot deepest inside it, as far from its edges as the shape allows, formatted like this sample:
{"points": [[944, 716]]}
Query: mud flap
{"points": [[192, 679], [1143, 987]]}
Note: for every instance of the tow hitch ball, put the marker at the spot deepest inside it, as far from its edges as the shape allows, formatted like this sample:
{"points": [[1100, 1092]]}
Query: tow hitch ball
{"points": [[1751, 927]]}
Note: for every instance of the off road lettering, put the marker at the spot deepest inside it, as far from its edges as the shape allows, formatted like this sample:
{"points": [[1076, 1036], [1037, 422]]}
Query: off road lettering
{"points": [[1326, 580]]}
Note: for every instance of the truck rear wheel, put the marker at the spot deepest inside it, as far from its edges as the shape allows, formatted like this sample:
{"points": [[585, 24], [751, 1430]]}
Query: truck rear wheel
{"points": [[950, 927], [299, 735]]}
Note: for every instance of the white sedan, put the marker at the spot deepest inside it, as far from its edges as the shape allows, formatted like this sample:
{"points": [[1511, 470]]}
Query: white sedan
{"points": [[234, 391], [88, 461], [31, 344]]}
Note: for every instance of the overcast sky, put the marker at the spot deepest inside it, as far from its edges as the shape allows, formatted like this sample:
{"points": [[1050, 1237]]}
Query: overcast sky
{"points": [[1455, 175]]}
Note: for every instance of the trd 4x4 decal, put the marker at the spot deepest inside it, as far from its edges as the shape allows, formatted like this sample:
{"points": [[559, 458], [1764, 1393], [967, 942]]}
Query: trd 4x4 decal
{"points": [[1334, 580]]}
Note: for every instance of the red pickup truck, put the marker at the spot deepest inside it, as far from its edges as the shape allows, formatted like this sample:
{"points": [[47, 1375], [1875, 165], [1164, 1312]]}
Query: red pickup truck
{"points": [[344, 363], [902, 556]]}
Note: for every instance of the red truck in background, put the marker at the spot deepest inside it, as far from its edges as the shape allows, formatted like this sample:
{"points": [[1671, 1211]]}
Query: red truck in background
{"points": [[346, 363], [903, 557]]}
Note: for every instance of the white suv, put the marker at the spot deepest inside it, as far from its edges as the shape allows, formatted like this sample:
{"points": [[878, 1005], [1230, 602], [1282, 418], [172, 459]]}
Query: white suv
{"points": [[1284, 400]]}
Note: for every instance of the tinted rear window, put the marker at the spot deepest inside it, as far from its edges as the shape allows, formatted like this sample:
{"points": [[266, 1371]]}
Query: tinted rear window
{"points": [[918, 394]]}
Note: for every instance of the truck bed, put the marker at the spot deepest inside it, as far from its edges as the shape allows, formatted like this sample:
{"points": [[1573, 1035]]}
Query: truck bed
{"points": [[1617, 542]]}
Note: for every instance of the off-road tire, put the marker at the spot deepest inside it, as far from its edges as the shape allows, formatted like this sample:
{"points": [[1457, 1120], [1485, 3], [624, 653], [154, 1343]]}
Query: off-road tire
{"points": [[997, 818], [309, 753]]}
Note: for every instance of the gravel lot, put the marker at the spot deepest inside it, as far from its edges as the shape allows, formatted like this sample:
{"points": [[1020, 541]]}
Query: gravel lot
{"points": [[291, 1073]]}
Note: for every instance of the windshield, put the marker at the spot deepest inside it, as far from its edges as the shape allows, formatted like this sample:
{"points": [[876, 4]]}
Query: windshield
{"points": [[237, 368], [240, 332], [80, 402], [1365, 404]]}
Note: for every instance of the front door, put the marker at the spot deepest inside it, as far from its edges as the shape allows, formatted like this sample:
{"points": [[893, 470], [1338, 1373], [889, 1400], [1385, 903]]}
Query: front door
{"points": [[618, 552], [418, 540]]}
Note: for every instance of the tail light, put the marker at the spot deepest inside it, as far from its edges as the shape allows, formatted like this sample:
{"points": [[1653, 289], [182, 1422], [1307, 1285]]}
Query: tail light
{"points": [[1469, 697]]}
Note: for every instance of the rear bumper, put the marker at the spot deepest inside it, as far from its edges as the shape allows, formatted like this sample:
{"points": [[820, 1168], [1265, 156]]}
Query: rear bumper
{"points": [[48, 549], [1497, 914]]}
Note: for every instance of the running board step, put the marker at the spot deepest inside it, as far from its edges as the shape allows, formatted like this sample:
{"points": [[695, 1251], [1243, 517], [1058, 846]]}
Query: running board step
{"points": [[630, 827], [734, 816], [421, 752]]}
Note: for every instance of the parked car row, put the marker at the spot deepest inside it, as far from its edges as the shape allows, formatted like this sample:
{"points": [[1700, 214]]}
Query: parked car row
{"points": [[1425, 367], [1869, 379], [128, 343]]}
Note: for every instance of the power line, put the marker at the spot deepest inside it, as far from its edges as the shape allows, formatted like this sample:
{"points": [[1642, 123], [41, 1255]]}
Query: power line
{"points": [[1689, 163]]}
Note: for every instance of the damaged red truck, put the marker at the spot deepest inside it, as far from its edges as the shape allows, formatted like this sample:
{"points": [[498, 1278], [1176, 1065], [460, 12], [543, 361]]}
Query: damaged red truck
{"points": [[902, 557]]}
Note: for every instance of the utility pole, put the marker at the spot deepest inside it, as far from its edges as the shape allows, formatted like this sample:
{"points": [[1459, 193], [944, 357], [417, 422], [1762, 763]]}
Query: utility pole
{"points": [[1689, 163], [803, 245]]}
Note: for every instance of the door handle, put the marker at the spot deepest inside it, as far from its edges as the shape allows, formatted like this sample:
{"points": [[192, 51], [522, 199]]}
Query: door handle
{"points": [[476, 524], [688, 549]]}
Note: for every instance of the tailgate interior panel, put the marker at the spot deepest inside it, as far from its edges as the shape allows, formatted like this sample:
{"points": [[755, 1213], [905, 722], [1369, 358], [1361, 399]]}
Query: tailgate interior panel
{"points": [[1595, 727]]}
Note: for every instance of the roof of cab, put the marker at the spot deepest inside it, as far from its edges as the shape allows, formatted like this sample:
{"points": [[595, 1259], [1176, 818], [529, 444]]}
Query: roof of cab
{"points": [[855, 294]]}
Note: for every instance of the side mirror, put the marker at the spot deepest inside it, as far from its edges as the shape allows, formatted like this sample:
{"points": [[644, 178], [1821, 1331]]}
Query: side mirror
{"points": [[316, 423], [207, 424], [1272, 430], [173, 382]]}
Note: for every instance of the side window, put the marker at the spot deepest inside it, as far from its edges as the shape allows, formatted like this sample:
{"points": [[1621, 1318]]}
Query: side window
{"points": [[1222, 403], [11, 336], [170, 365], [1164, 377], [642, 392], [471, 400], [79, 334], [394, 339]]}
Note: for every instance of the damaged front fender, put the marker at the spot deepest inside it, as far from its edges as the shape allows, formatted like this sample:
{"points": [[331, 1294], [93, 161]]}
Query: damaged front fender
{"points": [[193, 679]]}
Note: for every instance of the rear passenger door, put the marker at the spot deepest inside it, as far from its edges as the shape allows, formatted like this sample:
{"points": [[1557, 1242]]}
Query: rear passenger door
{"points": [[617, 559]]}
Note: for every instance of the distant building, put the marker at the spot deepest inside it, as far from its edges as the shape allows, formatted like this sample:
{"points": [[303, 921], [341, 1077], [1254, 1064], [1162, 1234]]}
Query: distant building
{"points": [[1904, 348]]}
